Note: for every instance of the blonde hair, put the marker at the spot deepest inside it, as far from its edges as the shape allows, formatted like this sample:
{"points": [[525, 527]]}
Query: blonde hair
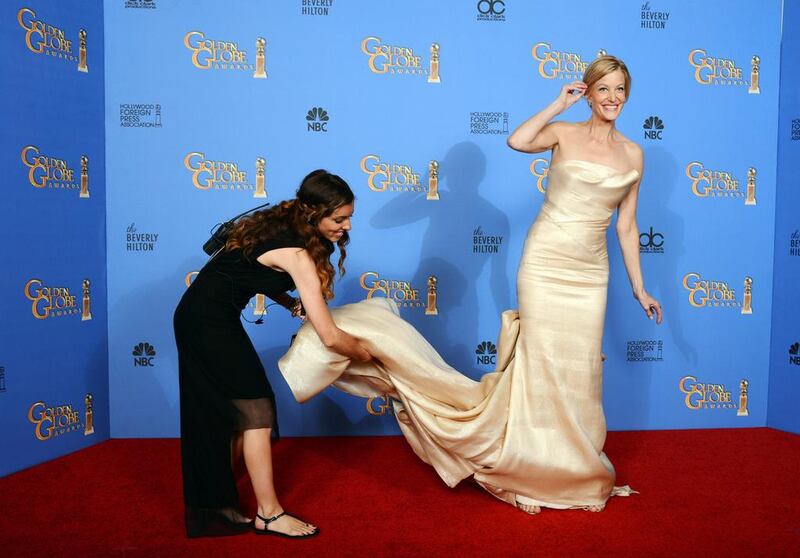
{"points": [[602, 66]]}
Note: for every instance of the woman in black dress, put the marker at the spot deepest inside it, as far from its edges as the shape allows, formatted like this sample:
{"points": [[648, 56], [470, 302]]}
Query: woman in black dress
{"points": [[227, 405]]}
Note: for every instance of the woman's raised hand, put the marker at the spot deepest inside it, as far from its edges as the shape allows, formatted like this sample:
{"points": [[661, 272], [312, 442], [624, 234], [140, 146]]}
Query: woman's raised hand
{"points": [[570, 94]]}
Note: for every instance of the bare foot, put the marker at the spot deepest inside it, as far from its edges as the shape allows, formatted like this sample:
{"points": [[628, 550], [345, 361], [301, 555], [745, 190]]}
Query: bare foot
{"points": [[532, 509], [286, 524], [595, 508]]}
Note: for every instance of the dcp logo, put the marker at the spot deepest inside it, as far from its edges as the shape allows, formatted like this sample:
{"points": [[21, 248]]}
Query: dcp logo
{"points": [[491, 7]]}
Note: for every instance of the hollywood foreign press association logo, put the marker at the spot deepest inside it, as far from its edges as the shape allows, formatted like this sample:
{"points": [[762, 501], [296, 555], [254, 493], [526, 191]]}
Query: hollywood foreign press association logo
{"points": [[796, 129], [317, 120], [143, 354], [651, 242], [315, 7], [491, 10], [794, 354], [488, 123], [486, 353], [653, 126], [140, 115], [653, 19], [645, 350]]}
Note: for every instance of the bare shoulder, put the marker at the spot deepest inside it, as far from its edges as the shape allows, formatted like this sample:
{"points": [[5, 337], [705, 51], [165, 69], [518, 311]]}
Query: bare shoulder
{"points": [[633, 153]]}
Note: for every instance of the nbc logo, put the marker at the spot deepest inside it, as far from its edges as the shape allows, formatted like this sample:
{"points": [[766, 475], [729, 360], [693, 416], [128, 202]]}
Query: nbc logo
{"points": [[653, 126], [794, 358], [317, 119], [143, 354], [486, 353]]}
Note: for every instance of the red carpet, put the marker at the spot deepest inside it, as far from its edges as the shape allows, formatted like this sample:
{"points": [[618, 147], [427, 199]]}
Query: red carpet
{"points": [[710, 493]]}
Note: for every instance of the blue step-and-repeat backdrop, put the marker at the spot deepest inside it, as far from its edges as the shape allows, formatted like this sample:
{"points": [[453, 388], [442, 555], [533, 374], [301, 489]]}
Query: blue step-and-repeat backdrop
{"points": [[407, 100], [195, 111], [53, 334]]}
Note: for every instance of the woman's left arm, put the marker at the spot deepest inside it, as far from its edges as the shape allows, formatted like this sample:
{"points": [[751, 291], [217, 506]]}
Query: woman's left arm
{"points": [[628, 235]]}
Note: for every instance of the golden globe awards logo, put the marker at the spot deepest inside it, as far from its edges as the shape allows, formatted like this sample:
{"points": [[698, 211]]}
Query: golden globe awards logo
{"points": [[400, 60], [713, 183], [44, 38], [540, 168], [713, 293], [208, 174], [51, 421], [379, 406], [558, 64], [214, 54], [714, 70], [391, 177], [402, 292], [53, 302], [699, 395], [48, 171]]}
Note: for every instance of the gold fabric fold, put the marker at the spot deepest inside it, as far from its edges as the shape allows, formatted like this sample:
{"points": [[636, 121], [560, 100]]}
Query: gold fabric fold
{"points": [[533, 430]]}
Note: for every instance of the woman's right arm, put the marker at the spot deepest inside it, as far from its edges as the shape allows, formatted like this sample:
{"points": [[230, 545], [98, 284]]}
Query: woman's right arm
{"points": [[536, 134], [300, 266]]}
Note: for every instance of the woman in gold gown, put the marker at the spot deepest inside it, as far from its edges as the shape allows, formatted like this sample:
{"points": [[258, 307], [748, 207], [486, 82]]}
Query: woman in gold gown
{"points": [[532, 432]]}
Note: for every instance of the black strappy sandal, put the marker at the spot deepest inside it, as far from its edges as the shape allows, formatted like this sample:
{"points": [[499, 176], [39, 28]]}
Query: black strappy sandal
{"points": [[266, 531]]}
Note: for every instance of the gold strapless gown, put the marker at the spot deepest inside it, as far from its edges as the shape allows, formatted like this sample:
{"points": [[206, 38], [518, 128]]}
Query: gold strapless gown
{"points": [[533, 430]]}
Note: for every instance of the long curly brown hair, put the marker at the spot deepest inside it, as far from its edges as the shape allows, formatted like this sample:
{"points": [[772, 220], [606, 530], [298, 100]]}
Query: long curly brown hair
{"points": [[320, 194]]}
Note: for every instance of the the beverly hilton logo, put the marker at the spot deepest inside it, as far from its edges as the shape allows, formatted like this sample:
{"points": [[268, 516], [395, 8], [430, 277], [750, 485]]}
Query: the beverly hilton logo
{"points": [[45, 38], [51, 421], [712, 183], [714, 70], [400, 60], [699, 395], [48, 171], [402, 292], [713, 293], [557, 64], [208, 174], [540, 168], [399, 177], [215, 54], [54, 302]]}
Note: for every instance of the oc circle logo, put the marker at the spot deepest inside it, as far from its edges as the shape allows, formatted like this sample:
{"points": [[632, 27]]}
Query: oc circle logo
{"points": [[489, 7]]}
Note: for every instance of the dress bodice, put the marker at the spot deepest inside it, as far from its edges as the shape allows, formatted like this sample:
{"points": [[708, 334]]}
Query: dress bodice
{"points": [[584, 191]]}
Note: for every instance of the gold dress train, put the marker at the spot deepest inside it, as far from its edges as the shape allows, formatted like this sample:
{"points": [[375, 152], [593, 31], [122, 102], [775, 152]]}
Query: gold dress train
{"points": [[532, 432]]}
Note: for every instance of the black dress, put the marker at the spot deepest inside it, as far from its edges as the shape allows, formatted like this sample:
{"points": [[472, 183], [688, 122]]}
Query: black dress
{"points": [[223, 386]]}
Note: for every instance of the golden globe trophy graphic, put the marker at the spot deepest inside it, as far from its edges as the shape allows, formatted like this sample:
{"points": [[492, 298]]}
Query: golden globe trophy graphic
{"points": [[431, 309], [750, 198], [433, 180], [82, 67], [86, 312], [743, 411], [84, 177], [601, 53], [261, 181], [747, 299], [433, 75], [88, 427], [755, 71], [261, 61]]}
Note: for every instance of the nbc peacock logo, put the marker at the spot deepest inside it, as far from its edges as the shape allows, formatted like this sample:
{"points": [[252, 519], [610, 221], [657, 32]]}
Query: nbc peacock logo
{"points": [[317, 120], [653, 128], [794, 354], [143, 354], [486, 353]]}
